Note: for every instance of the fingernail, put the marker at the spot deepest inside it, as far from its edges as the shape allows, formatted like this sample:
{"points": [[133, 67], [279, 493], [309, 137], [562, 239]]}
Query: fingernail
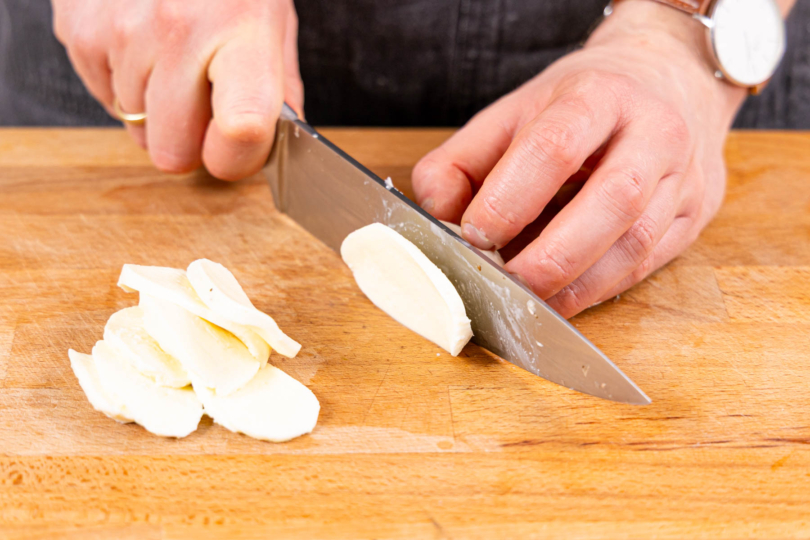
{"points": [[428, 204], [476, 237]]}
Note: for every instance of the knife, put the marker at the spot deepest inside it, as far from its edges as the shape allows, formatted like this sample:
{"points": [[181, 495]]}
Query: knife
{"points": [[331, 195]]}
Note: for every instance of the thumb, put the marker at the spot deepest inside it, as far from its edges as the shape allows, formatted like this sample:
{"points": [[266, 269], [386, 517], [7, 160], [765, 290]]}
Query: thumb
{"points": [[445, 180]]}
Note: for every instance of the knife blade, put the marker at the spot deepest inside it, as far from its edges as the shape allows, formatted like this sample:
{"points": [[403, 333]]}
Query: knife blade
{"points": [[331, 195]]}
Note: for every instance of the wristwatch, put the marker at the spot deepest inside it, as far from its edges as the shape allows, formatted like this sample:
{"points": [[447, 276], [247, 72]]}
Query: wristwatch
{"points": [[745, 38]]}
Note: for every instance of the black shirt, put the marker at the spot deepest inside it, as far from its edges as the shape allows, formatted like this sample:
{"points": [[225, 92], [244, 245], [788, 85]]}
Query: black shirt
{"points": [[386, 62]]}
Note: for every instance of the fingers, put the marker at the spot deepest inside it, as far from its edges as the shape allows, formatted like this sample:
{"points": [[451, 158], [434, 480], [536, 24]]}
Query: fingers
{"points": [[130, 74], [247, 78], [445, 179], [633, 254], [680, 235], [293, 85], [543, 155], [89, 59], [178, 112], [699, 204], [612, 200]]}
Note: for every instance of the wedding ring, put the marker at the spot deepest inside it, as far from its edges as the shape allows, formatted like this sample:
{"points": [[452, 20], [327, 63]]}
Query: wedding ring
{"points": [[135, 119]]}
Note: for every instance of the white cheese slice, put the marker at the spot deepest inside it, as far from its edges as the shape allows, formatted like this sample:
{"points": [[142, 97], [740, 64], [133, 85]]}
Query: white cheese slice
{"points": [[272, 407], [126, 332], [172, 285], [221, 292], [169, 412], [492, 255], [399, 279], [84, 367], [211, 355]]}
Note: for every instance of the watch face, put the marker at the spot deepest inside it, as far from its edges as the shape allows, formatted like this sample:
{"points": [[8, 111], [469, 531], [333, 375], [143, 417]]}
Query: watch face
{"points": [[748, 38]]}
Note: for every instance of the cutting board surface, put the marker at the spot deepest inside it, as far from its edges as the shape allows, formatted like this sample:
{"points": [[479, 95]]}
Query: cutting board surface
{"points": [[411, 442]]}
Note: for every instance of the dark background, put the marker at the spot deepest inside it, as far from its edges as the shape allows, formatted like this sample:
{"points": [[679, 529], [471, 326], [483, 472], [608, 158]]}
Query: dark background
{"points": [[386, 62]]}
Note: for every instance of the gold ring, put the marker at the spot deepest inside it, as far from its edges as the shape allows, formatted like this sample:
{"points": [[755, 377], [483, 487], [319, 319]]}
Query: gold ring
{"points": [[135, 119]]}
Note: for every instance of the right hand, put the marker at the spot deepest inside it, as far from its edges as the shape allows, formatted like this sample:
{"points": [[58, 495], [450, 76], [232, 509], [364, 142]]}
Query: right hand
{"points": [[210, 75]]}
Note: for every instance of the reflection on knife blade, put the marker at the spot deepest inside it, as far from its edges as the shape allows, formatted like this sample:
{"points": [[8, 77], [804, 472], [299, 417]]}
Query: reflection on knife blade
{"points": [[331, 195]]}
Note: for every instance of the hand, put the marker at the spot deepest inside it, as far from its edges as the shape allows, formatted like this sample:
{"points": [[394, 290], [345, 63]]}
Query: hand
{"points": [[210, 75], [640, 101]]}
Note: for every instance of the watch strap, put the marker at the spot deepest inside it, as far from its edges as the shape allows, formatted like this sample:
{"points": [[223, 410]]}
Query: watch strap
{"points": [[689, 6]]}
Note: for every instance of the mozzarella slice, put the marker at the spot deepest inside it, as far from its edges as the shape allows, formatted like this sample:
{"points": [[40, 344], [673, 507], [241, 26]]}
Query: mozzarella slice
{"points": [[211, 355], [126, 332], [172, 285], [169, 412], [84, 367], [272, 406], [399, 279], [492, 255], [221, 292]]}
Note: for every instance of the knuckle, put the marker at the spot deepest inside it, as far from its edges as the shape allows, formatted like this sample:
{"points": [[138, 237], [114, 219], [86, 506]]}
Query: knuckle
{"points": [[248, 128], [173, 20], [556, 266], [498, 210], [573, 298], [600, 82], [673, 126], [644, 269], [553, 142], [84, 45], [624, 194], [124, 29], [641, 238]]}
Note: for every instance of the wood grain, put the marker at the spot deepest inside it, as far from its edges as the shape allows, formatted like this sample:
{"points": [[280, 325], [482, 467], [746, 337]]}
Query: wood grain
{"points": [[411, 443]]}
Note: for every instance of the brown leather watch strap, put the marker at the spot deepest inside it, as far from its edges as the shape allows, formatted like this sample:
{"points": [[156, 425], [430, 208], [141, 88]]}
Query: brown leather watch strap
{"points": [[689, 6]]}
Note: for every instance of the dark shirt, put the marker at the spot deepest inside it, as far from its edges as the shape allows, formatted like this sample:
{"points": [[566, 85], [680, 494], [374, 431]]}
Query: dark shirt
{"points": [[386, 62]]}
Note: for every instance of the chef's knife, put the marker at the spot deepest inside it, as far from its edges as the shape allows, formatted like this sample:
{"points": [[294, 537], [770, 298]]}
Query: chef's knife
{"points": [[331, 195]]}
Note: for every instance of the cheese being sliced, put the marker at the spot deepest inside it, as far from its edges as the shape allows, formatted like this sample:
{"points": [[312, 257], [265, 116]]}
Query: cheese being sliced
{"points": [[126, 332], [212, 356], [172, 285], [221, 292], [84, 367], [399, 279], [272, 407], [169, 412], [492, 255]]}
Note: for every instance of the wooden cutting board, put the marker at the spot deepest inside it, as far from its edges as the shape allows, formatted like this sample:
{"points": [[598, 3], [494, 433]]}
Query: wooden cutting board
{"points": [[411, 442]]}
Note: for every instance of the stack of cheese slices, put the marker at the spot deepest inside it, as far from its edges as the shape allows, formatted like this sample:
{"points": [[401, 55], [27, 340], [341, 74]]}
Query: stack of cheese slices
{"points": [[195, 344]]}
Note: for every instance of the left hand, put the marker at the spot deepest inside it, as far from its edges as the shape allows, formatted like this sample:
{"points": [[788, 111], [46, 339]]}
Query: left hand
{"points": [[642, 96]]}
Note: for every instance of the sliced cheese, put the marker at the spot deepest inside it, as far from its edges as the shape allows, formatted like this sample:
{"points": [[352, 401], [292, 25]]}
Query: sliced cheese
{"points": [[211, 355], [272, 407], [169, 412], [399, 279], [84, 367], [126, 332], [172, 285], [492, 255], [221, 292]]}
